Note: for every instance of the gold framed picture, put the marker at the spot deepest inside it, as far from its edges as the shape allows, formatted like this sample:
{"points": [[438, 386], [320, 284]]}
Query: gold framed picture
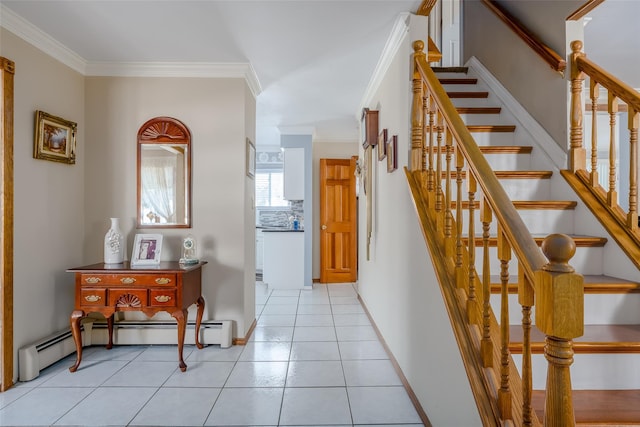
{"points": [[382, 145], [55, 139]]}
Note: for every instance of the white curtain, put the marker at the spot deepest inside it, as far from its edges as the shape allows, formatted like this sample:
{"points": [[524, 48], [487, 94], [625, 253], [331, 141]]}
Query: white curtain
{"points": [[158, 196]]}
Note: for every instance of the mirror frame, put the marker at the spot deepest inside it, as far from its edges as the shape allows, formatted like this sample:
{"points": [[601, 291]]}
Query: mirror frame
{"points": [[163, 130]]}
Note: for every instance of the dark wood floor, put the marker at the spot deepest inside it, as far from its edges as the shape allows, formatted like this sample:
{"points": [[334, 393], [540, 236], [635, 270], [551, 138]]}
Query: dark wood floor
{"points": [[599, 407]]}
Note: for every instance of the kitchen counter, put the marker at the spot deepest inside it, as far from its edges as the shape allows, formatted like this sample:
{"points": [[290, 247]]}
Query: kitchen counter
{"points": [[283, 259]]}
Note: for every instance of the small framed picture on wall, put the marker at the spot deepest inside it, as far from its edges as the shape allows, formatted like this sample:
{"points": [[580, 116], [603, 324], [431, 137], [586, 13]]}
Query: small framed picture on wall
{"points": [[392, 153], [382, 145]]}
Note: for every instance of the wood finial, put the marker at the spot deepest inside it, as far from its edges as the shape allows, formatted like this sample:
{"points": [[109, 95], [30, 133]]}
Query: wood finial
{"points": [[418, 46], [559, 249], [576, 46]]}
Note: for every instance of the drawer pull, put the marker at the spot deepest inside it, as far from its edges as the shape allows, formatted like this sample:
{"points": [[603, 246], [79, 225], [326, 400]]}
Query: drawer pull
{"points": [[92, 280], [92, 298], [162, 298], [163, 280], [127, 280]]}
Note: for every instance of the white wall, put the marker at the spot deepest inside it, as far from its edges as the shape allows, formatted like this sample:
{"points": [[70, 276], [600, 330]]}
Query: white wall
{"points": [[325, 150], [214, 110], [398, 283], [48, 196], [541, 90]]}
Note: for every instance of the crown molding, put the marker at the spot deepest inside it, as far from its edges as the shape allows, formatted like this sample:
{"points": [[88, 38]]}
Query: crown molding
{"points": [[395, 39], [43, 41]]}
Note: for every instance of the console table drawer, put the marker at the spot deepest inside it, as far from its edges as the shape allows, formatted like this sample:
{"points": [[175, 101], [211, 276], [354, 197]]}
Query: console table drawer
{"points": [[128, 279], [93, 297], [128, 298], [162, 297]]}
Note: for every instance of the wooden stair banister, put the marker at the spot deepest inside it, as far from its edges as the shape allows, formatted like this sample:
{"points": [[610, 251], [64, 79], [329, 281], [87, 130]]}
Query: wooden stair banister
{"points": [[551, 57], [438, 130], [621, 224]]}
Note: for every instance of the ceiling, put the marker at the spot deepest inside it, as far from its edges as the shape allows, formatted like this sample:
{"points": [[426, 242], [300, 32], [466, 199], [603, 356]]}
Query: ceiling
{"points": [[313, 59]]}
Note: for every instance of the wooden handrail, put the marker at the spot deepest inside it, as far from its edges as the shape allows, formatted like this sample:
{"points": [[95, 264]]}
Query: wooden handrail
{"points": [[626, 93], [584, 9], [523, 244], [425, 7], [551, 57]]}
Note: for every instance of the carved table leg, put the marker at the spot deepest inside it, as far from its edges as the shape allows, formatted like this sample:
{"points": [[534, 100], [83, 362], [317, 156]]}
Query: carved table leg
{"points": [[200, 304], [110, 332], [76, 317], [181, 318]]}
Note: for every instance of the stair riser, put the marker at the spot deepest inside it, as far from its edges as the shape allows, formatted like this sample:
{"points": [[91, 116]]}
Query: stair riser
{"points": [[498, 162], [484, 119], [539, 222], [494, 138], [465, 88], [591, 371], [599, 309], [587, 260], [474, 102]]}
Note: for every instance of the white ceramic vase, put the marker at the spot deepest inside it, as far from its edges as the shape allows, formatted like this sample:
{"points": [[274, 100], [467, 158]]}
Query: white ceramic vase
{"points": [[114, 243]]}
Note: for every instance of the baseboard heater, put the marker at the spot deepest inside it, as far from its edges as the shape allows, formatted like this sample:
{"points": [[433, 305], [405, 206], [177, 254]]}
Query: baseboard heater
{"points": [[37, 356]]}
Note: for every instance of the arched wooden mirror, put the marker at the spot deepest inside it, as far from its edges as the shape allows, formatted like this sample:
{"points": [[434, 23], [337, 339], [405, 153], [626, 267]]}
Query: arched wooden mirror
{"points": [[164, 174]]}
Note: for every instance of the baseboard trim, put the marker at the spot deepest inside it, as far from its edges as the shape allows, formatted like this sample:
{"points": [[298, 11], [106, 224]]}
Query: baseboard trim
{"points": [[245, 340], [414, 399]]}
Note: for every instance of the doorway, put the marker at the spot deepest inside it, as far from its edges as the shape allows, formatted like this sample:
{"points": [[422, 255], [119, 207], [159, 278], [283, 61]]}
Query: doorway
{"points": [[7, 69], [338, 221]]}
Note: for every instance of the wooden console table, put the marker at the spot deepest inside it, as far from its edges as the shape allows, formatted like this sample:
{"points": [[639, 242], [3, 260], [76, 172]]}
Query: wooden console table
{"points": [[106, 289]]}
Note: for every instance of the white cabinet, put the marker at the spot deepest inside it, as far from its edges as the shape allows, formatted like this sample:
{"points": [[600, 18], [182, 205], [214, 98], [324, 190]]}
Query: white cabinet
{"points": [[284, 259], [259, 249], [294, 173]]}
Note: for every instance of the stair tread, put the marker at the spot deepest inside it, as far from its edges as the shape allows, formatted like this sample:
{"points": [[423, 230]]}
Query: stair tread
{"points": [[598, 406], [580, 240], [450, 69], [479, 94], [493, 149], [520, 174], [593, 284], [458, 81], [592, 334], [491, 128], [529, 204], [479, 110]]}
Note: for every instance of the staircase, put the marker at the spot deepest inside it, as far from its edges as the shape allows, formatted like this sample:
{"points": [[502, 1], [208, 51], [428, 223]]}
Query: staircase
{"points": [[606, 370]]}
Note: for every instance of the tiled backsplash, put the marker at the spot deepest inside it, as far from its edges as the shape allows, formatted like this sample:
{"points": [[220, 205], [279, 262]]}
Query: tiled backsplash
{"points": [[280, 217]]}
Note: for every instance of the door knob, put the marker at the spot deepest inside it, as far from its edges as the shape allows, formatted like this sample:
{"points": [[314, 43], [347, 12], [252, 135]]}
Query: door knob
{"points": [[324, 227]]}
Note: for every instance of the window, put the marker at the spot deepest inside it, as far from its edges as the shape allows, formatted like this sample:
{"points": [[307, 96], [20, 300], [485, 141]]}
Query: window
{"points": [[269, 188]]}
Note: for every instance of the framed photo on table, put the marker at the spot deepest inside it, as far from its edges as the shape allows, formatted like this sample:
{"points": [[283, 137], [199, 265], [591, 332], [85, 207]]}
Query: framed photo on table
{"points": [[146, 250]]}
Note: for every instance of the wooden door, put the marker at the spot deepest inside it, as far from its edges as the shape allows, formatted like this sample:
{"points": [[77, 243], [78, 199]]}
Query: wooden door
{"points": [[338, 221]]}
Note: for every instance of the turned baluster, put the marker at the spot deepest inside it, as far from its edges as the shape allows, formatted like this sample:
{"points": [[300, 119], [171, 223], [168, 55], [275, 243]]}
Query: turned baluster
{"points": [[578, 154], [416, 110], [504, 393], [438, 193], [448, 216], [594, 88], [560, 316], [486, 346], [526, 297], [459, 270], [612, 107], [471, 298], [430, 173], [632, 215]]}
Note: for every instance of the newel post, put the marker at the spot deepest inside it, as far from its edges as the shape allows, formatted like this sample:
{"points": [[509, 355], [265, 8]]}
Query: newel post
{"points": [[417, 114], [578, 153], [560, 316]]}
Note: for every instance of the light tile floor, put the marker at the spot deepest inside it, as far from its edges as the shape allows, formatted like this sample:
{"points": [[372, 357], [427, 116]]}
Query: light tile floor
{"points": [[313, 359]]}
